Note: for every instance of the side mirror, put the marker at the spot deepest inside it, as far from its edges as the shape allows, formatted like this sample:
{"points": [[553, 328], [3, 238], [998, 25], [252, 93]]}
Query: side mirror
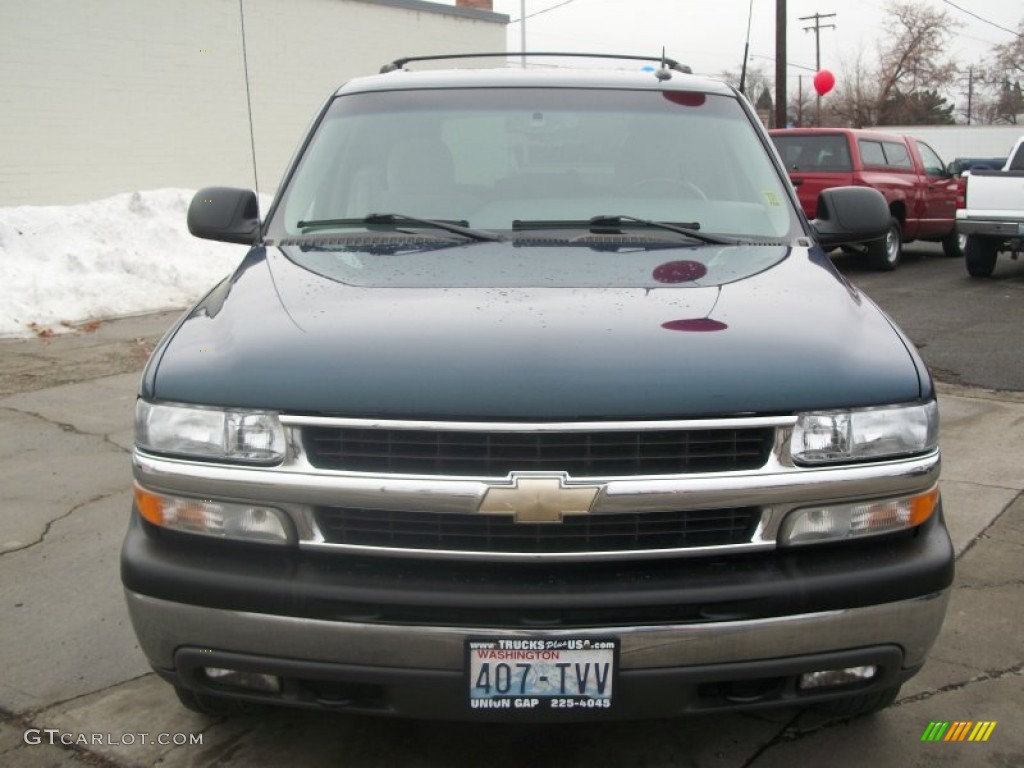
{"points": [[226, 214], [850, 215]]}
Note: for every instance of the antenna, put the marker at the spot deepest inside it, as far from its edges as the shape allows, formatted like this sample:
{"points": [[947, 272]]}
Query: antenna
{"points": [[746, 50], [248, 104], [663, 72]]}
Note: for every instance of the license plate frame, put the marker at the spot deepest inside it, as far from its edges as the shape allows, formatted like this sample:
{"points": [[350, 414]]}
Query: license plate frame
{"points": [[540, 674]]}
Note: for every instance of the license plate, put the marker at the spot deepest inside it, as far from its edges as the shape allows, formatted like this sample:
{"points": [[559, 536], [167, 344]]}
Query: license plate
{"points": [[541, 674]]}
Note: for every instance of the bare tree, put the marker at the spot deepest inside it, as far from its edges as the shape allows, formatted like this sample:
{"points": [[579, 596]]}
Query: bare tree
{"points": [[801, 105], [1009, 57], [853, 102], [910, 61], [757, 80], [1006, 78], [911, 58]]}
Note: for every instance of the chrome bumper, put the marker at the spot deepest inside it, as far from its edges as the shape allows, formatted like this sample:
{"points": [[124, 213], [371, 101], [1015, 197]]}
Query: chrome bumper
{"points": [[163, 627], [991, 227]]}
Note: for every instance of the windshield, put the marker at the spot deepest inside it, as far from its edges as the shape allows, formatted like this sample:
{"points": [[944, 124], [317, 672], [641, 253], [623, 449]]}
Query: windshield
{"points": [[514, 158]]}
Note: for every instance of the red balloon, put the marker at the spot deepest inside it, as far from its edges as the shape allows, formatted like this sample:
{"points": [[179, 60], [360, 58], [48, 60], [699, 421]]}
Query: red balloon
{"points": [[824, 81]]}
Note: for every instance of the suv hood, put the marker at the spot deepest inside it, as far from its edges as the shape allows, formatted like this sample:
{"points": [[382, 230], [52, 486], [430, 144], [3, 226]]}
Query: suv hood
{"points": [[428, 342]]}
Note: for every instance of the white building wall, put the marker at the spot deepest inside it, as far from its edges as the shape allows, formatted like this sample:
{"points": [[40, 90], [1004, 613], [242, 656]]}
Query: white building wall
{"points": [[99, 97], [952, 141]]}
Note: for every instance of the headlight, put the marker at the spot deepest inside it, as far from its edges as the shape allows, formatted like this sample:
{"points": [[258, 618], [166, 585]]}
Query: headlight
{"points": [[821, 437], [254, 437]]}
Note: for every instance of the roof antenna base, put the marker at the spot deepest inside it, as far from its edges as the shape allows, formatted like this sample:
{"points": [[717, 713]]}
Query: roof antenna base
{"points": [[663, 72]]}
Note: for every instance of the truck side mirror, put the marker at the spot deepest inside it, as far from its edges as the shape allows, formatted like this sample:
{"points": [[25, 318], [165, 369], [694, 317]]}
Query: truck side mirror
{"points": [[226, 214], [850, 215]]}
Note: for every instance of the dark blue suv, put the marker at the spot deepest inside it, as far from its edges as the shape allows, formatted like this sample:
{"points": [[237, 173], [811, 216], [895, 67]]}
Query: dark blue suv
{"points": [[536, 397]]}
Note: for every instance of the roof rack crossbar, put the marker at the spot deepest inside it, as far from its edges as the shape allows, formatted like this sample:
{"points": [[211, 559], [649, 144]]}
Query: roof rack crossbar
{"points": [[398, 64]]}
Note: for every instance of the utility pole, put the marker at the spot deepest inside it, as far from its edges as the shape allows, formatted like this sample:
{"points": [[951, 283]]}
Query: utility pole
{"points": [[799, 101], [972, 82], [818, 26], [970, 92], [780, 63], [522, 30]]}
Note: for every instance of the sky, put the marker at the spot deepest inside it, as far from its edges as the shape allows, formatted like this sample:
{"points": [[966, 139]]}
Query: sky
{"points": [[709, 34]]}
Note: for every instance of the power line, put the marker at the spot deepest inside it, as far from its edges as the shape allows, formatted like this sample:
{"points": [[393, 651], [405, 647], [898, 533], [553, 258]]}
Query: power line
{"points": [[981, 18], [542, 10], [788, 63]]}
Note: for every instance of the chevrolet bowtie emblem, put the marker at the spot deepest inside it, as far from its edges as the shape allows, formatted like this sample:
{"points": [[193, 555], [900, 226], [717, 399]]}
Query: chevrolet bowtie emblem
{"points": [[532, 499]]}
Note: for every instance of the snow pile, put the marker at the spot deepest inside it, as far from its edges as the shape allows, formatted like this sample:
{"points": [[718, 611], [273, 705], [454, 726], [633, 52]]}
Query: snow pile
{"points": [[131, 253]]}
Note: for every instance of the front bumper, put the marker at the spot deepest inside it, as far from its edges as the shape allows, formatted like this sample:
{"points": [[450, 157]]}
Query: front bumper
{"points": [[389, 638], [641, 693]]}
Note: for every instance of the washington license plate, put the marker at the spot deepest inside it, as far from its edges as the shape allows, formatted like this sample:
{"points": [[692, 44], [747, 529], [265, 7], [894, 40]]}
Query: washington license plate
{"points": [[541, 674]]}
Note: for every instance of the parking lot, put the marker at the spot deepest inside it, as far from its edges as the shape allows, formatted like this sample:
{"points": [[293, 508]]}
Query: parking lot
{"points": [[75, 690]]}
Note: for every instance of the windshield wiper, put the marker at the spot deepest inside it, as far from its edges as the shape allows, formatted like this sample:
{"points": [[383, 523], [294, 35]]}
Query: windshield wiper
{"points": [[603, 224], [397, 219], [688, 229]]}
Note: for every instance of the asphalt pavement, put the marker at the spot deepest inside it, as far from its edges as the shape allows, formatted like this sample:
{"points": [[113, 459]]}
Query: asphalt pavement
{"points": [[75, 690]]}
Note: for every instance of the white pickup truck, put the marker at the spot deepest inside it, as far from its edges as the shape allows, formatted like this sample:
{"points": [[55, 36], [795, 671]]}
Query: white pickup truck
{"points": [[992, 218]]}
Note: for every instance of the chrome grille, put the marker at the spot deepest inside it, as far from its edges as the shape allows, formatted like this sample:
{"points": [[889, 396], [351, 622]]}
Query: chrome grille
{"points": [[356, 526], [496, 453]]}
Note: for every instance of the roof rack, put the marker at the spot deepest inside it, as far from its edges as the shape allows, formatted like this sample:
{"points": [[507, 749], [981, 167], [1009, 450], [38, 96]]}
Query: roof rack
{"points": [[665, 63]]}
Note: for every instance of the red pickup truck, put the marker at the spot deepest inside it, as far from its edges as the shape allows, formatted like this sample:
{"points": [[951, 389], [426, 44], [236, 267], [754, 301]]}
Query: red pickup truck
{"points": [[921, 192]]}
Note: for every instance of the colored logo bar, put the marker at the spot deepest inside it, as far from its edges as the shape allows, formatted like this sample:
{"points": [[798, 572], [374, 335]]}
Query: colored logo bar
{"points": [[959, 730]]}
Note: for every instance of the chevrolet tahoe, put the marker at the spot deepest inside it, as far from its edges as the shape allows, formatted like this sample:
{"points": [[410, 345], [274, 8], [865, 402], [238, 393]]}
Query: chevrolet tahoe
{"points": [[536, 397]]}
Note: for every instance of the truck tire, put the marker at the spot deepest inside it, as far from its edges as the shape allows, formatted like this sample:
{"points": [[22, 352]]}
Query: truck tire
{"points": [[980, 255], [952, 245], [856, 706], [885, 254]]}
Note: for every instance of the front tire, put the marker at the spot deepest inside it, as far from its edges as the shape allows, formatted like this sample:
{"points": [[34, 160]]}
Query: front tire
{"points": [[885, 254], [952, 245], [980, 255]]}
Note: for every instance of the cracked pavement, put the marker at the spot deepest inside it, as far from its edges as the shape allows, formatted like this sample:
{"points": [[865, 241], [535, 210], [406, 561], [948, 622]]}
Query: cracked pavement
{"points": [[71, 664]]}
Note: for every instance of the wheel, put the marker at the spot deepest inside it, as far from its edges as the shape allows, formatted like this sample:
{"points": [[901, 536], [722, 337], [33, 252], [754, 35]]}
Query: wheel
{"points": [[953, 245], [212, 706], [980, 256], [865, 704], [667, 185], [885, 254]]}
